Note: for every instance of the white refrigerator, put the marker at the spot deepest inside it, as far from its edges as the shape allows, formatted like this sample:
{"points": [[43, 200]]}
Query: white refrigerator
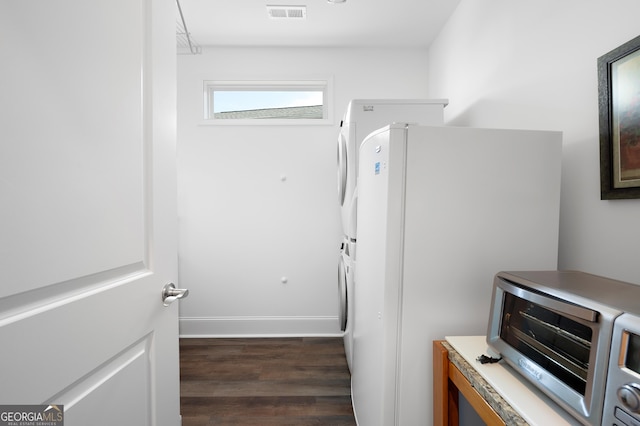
{"points": [[441, 210], [362, 117]]}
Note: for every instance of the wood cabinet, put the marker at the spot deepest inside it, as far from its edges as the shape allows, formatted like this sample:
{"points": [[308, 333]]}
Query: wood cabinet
{"points": [[448, 383], [498, 393]]}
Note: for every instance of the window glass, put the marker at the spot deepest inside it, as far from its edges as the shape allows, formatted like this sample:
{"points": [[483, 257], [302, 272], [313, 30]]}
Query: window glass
{"points": [[290, 102]]}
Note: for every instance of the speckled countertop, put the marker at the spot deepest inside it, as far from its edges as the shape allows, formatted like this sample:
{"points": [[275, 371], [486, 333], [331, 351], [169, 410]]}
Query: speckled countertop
{"points": [[500, 406], [514, 398]]}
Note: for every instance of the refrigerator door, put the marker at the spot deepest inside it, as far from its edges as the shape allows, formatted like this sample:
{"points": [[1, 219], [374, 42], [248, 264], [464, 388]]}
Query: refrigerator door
{"points": [[377, 299]]}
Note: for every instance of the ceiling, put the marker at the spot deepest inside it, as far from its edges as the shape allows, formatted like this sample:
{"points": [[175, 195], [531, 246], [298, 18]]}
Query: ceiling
{"points": [[361, 23]]}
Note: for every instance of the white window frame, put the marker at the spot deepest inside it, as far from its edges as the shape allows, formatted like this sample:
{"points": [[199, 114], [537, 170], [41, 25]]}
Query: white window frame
{"points": [[325, 85]]}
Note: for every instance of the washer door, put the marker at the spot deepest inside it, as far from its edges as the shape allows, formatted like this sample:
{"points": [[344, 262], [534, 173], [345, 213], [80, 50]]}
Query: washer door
{"points": [[342, 168], [342, 292]]}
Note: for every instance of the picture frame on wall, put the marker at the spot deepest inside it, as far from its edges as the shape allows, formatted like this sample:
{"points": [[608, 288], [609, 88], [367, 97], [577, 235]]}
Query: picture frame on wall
{"points": [[619, 109]]}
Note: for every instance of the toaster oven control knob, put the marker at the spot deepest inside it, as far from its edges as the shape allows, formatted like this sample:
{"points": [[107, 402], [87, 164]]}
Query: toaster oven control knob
{"points": [[629, 395]]}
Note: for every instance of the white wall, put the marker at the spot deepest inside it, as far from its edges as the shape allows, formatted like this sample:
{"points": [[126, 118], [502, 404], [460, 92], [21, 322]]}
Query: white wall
{"points": [[520, 64], [241, 227]]}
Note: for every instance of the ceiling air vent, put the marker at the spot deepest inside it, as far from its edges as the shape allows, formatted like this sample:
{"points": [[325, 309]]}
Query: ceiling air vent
{"points": [[287, 12]]}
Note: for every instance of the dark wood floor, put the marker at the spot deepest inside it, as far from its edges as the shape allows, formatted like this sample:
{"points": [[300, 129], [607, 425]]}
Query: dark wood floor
{"points": [[271, 381]]}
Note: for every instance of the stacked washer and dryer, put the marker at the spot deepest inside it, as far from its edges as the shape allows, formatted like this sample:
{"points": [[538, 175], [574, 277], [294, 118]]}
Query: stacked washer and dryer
{"points": [[362, 117]]}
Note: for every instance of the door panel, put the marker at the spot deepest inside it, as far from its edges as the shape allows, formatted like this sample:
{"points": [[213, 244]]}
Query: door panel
{"points": [[127, 370], [88, 222], [72, 120]]}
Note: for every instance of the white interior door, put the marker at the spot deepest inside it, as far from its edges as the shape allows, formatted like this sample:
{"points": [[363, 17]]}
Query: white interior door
{"points": [[88, 209]]}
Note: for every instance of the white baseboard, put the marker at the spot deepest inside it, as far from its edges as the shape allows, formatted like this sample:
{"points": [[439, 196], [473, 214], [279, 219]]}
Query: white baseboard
{"points": [[259, 327]]}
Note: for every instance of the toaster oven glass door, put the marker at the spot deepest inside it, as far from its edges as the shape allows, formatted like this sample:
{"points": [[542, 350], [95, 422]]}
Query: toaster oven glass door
{"points": [[632, 358], [554, 341]]}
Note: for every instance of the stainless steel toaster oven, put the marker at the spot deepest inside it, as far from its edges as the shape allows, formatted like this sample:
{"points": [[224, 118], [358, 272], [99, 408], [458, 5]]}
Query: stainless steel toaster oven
{"points": [[575, 336]]}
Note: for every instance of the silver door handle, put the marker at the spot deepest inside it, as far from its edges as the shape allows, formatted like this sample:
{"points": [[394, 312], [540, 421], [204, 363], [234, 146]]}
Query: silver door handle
{"points": [[170, 294]]}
